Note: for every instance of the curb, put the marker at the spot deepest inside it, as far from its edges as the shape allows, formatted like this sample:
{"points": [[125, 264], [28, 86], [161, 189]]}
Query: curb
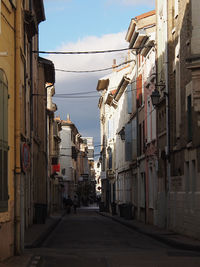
{"points": [[38, 242], [159, 237]]}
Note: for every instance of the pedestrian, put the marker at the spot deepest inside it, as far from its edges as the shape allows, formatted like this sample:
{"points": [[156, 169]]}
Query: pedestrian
{"points": [[75, 203], [68, 203]]}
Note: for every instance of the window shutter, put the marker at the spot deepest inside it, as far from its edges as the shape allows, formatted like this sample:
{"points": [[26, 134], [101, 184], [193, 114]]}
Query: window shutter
{"points": [[134, 138], [189, 113], [129, 99], [3, 142], [110, 160], [128, 142]]}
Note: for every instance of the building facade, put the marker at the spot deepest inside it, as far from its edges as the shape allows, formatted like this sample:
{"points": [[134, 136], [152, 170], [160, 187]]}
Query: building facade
{"points": [[178, 164]]}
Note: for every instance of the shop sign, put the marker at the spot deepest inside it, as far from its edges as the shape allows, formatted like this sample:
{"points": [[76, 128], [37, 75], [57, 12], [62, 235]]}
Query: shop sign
{"points": [[56, 168]]}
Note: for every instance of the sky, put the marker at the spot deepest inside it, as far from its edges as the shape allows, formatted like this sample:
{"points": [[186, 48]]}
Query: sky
{"points": [[85, 25]]}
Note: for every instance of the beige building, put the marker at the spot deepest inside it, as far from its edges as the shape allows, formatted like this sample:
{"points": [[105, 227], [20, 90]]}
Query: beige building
{"points": [[141, 37], [8, 125], [22, 97], [178, 77]]}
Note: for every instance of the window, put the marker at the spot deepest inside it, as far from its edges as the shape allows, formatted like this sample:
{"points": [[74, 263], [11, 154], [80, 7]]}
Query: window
{"points": [[134, 139], [3, 142], [143, 190], [187, 177], [189, 117], [110, 159], [129, 99], [128, 142], [139, 91]]}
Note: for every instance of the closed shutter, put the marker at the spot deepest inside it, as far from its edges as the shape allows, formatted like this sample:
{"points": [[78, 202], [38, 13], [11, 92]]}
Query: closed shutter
{"points": [[189, 113], [128, 142], [139, 90], [3, 142], [110, 159], [134, 139], [129, 99]]}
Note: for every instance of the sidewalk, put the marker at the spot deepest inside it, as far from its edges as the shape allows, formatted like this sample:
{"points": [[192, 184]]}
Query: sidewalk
{"points": [[168, 237], [37, 233], [34, 236]]}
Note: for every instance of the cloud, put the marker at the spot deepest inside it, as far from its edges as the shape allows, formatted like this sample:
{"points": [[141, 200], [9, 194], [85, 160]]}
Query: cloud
{"points": [[84, 111], [132, 2]]}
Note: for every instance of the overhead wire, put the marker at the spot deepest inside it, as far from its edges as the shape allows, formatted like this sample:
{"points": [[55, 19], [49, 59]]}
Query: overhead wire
{"points": [[97, 70], [79, 52], [89, 52]]}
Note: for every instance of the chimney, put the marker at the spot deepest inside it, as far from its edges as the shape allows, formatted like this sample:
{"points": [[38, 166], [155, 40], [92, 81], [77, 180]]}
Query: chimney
{"points": [[68, 117], [114, 64]]}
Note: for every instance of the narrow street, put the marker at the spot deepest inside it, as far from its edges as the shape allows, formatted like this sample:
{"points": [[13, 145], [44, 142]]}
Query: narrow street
{"points": [[88, 239]]}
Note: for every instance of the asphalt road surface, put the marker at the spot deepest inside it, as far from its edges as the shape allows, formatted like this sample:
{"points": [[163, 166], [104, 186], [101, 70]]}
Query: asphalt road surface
{"points": [[87, 239]]}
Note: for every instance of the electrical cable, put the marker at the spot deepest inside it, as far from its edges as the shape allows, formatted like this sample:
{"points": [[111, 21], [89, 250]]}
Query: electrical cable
{"points": [[79, 52], [79, 93], [97, 70], [89, 52]]}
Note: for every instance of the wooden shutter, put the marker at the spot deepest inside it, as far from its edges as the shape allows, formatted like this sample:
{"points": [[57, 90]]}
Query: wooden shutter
{"points": [[139, 90], [134, 138], [3, 142], [189, 113], [128, 142], [129, 99]]}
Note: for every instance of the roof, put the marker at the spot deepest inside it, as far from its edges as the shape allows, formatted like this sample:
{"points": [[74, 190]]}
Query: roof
{"points": [[121, 87], [48, 69], [39, 10], [145, 15]]}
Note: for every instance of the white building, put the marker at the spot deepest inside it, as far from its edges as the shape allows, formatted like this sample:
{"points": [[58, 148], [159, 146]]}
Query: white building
{"points": [[113, 117]]}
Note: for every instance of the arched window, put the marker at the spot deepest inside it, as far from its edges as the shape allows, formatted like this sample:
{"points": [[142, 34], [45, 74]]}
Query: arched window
{"points": [[3, 142]]}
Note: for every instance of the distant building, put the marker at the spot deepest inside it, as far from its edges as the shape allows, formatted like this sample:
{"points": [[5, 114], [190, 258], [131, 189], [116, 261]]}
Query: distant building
{"points": [[90, 147]]}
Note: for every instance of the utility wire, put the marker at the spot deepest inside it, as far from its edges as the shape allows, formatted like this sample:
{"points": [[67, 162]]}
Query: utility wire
{"points": [[79, 52], [81, 96], [78, 93], [89, 52], [97, 70]]}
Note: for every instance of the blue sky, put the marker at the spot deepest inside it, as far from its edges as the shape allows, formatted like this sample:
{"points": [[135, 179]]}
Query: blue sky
{"points": [[71, 20], [82, 25]]}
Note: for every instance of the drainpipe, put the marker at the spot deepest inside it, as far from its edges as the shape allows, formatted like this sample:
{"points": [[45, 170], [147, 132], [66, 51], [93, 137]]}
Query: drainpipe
{"points": [[18, 241], [167, 115]]}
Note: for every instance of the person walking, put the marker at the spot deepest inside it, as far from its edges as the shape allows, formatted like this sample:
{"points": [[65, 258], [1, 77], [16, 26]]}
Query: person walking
{"points": [[68, 203], [75, 203]]}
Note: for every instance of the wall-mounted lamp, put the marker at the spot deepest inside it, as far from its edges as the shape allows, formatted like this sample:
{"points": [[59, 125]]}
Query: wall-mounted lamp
{"points": [[109, 149], [155, 97], [100, 159], [122, 134]]}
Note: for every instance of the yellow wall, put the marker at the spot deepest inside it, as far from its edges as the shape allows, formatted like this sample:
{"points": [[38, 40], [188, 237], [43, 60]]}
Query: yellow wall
{"points": [[7, 42]]}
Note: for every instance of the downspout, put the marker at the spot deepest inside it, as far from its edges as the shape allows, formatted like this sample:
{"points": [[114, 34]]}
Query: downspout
{"points": [[167, 114], [18, 243]]}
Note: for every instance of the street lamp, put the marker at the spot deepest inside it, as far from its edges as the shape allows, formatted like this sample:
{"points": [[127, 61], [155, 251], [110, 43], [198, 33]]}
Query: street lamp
{"points": [[155, 97], [122, 134], [109, 149]]}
